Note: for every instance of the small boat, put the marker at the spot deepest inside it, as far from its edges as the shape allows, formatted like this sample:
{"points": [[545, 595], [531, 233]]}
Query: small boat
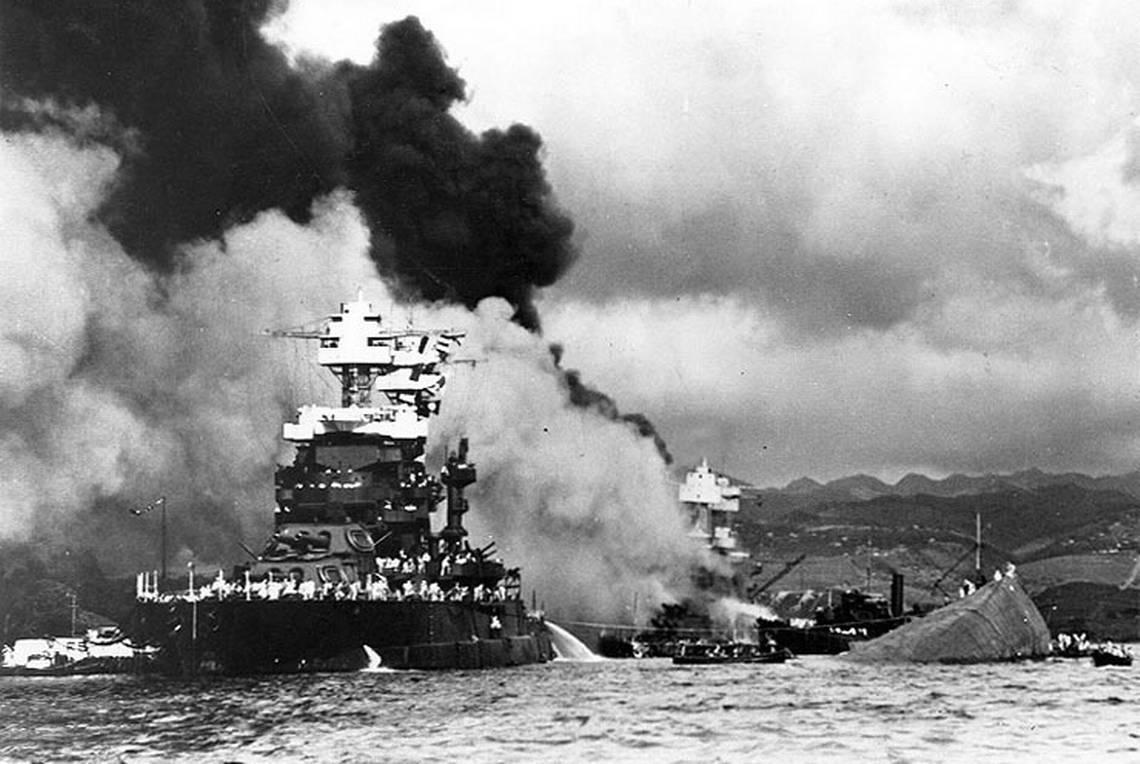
{"points": [[702, 654], [1071, 646], [101, 651], [1111, 656]]}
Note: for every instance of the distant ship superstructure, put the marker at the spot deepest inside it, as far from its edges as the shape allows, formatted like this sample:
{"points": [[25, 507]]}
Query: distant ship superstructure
{"points": [[712, 504], [354, 567]]}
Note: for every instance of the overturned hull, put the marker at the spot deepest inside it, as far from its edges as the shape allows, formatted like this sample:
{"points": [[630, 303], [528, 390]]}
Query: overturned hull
{"points": [[285, 636], [999, 622]]}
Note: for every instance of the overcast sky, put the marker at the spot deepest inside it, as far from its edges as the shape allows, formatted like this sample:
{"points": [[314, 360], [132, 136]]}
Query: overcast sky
{"points": [[827, 238]]}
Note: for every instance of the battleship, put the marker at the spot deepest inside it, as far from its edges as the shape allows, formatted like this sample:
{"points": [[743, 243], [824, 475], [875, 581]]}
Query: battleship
{"points": [[354, 574], [710, 503]]}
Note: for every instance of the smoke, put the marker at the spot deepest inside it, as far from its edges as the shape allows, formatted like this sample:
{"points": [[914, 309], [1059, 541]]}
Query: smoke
{"points": [[467, 217], [583, 504], [170, 187], [120, 385], [218, 126], [739, 618], [585, 396], [221, 127]]}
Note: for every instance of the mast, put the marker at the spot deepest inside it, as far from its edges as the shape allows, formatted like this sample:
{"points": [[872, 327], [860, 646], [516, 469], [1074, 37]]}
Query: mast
{"points": [[390, 379], [978, 543]]}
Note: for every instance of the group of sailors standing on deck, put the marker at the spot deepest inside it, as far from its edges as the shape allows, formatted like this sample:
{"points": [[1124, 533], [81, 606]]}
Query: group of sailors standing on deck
{"points": [[416, 564], [374, 587], [968, 586]]}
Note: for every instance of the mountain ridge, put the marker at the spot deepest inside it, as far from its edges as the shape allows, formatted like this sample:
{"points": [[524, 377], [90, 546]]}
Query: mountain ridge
{"points": [[862, 486]]}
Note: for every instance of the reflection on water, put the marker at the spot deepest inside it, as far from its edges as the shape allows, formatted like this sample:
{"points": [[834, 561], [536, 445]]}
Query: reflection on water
{"points": [[815, 708]]}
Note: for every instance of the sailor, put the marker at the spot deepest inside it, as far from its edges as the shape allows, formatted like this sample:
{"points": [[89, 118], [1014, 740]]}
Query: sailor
{"points": [[770, 642], [496, 626]]}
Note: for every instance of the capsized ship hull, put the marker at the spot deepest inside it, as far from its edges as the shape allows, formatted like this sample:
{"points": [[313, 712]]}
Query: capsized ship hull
{"points": [[255, 637], [998, 622]]}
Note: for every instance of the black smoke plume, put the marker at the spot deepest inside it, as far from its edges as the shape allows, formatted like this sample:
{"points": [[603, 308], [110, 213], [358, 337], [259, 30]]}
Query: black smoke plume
{"points": [[468, 217], [584, 396], [218, 126], [211, 129]]}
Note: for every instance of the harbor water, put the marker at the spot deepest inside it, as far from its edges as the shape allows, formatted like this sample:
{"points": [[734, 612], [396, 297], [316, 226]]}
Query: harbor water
{"points": [[816, 708]]}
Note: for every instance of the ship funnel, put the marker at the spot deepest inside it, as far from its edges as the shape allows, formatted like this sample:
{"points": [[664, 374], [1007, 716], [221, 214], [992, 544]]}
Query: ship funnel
{"points": [[897, 583]]}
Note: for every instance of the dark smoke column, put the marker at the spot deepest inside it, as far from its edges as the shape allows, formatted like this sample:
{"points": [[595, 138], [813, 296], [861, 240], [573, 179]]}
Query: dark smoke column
{"points": [[214, 124], [454, 216]]}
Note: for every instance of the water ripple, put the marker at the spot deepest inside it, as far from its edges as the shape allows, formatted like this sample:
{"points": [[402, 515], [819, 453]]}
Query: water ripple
{"points": [[816, 709]]}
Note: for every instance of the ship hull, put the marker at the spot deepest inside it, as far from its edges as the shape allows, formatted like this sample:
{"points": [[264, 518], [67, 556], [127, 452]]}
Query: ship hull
{"points": [[998, 622], [289, 636]]}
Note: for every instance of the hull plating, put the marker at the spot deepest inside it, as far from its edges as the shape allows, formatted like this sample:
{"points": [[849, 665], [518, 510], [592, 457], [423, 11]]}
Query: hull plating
{"points": [[283, 636]]}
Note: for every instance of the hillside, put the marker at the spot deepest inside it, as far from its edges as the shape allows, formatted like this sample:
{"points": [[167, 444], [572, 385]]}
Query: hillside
{"points": [[858, 487], [1056, 528]]}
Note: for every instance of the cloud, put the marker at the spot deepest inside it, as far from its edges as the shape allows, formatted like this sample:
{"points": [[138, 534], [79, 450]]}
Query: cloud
{"points": [[987, 383], [827, 238]]}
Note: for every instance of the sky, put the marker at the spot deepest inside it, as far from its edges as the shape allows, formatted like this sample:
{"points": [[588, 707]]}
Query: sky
{"points": [[812, 240], [823, 238]]}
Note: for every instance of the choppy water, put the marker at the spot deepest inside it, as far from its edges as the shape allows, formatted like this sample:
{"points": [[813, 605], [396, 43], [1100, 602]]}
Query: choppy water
{"points": [[812, 709]]}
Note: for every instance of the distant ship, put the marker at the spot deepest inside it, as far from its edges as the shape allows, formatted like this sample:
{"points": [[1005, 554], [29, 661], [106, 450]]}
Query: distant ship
{"points": [[710, 503], [354, 574], [101, 650], [852, 617]]}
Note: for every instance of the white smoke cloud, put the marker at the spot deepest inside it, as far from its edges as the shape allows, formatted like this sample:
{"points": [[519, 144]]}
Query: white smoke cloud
{"points": [[121, 385], [65, 440], [48, 189], [582, 503]]}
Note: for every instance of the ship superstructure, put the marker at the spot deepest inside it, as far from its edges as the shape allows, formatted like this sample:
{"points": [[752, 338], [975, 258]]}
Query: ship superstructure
{"points": [[712, 504], [354, 566], [357, 490]]}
